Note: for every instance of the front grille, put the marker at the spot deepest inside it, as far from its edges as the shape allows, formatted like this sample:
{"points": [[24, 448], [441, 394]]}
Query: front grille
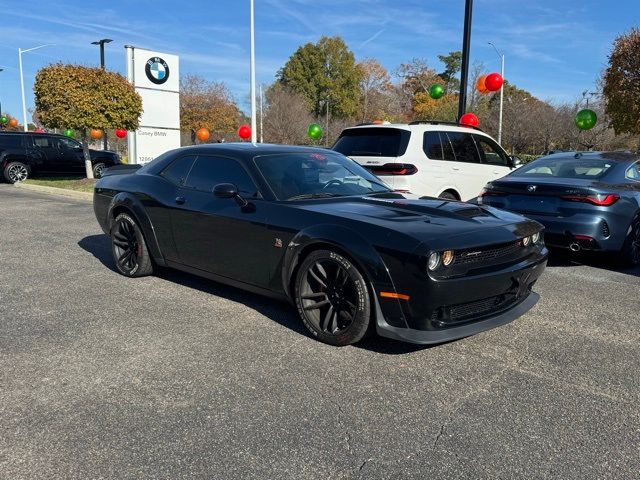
{"points": [[487, 255], [446, 316], [604, 226]]}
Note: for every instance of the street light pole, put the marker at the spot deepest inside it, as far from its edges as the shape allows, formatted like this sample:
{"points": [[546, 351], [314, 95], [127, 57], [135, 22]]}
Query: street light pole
{"points": [[101, 44], [252, 73], [501, 55], [1, 70], [24, 102]]}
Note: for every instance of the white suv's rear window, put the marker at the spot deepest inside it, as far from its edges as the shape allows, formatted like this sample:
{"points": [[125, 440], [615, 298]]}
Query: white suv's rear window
{"points": [[373, 142]]}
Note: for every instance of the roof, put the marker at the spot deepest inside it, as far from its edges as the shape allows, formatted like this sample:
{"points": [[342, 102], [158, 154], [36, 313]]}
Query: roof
{"points": [[247, 149], [614, 156], [421, 126]]}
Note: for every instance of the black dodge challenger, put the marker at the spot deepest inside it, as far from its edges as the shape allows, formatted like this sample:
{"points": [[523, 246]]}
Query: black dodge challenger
{"points": [[313, 227]]}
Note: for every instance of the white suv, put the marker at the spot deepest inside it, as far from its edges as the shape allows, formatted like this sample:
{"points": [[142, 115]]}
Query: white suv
{"points": [[435, 159]]}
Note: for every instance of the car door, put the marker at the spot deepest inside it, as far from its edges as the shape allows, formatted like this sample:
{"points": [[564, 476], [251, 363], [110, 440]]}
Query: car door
{"points": [[44, 148], [71, 156], [469, 173], [216, 234], [436, 174], [495, 161]]}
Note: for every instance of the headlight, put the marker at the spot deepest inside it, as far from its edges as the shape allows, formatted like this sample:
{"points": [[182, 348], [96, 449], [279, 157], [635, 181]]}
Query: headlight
{"points": [[447, 257], [535, 237], [526, 241], [434, 261]]}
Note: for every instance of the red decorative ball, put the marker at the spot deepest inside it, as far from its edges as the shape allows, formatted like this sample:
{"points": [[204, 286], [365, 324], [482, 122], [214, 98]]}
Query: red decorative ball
{"points": [[469, 119], [244, 132], [493, 82], [121, 132]]}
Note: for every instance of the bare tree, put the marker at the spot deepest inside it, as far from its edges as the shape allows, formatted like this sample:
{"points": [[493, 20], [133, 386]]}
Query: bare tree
{"points": [[286, 116], [375, 85]]}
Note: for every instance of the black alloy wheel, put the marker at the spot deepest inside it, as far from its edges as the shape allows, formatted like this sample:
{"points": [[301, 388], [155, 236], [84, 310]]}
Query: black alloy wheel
{"points": [[16, 172], [332, 298], [129, 248], [631, 249]]}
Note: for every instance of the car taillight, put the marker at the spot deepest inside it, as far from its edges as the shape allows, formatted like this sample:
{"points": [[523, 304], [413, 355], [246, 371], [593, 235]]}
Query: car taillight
{"points": [[491, 193], [600, 199], [394, 169]]}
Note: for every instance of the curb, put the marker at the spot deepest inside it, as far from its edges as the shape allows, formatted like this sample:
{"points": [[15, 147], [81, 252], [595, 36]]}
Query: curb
{"points": [[63, 192]]}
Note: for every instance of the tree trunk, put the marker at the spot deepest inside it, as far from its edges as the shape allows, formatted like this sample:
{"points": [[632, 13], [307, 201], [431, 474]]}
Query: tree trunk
{"points": [[87, 157]]}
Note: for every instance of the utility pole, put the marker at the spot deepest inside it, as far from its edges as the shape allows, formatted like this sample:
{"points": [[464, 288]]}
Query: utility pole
{"points": [[464, 71], [501, 55], [101, 44], [24, 101], [252, 72]]}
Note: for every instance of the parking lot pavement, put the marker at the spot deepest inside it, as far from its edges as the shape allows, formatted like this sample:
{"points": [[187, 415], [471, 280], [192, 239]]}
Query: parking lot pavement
{"points": [[174, 376]]}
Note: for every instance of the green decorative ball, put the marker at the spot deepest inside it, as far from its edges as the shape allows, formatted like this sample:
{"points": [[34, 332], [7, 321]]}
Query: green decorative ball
{"points": [[436, 91], [68, 132], [586, 119], [314, 131], [4, 120]]}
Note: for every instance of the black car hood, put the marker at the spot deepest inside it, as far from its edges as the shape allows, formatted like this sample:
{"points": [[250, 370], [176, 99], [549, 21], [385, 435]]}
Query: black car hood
{"points": [[437, 222]]}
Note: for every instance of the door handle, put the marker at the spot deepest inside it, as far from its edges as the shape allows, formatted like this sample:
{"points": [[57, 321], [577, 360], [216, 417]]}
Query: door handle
{"points": [[456, 168], [180, 200], [496, 173]]}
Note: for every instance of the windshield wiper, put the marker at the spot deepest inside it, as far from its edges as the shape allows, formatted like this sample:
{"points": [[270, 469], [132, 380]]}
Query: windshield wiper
{"points": [[315, 195]]}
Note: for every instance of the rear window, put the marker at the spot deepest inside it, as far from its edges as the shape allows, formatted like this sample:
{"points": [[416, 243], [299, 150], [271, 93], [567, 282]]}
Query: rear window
{"points": [[373, 142], [10, 141], [566, 168]]}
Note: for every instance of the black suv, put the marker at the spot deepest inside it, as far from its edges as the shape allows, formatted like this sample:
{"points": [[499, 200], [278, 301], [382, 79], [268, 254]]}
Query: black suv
{"points": [[26, 154]]}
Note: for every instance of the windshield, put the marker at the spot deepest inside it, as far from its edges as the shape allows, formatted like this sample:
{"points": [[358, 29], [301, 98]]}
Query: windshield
{"points": [[373, 142], [294, 176], [566, 168]]}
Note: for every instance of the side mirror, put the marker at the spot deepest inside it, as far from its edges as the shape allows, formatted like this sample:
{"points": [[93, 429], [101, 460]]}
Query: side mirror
{"points": [[229, 190]]}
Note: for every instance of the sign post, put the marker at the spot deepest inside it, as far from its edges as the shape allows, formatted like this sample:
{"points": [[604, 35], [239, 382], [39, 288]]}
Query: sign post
{"points": [[156, 77]]}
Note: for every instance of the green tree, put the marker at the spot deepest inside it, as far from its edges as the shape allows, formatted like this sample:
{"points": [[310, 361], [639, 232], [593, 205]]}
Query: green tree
{"points": [[622, 84], [452, 64], [73, 96], [324, 72]]}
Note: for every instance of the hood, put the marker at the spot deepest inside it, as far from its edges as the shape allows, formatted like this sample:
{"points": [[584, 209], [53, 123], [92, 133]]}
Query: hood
{"points": [[436, 222]]}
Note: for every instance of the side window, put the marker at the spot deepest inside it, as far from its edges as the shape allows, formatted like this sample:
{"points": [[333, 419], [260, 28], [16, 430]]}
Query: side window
{"points": [[42, 142], [490, 152], [67, 143], [208, 171], [464, 147], [432, 146], [633, 172], [178, 170], [11, 141]]}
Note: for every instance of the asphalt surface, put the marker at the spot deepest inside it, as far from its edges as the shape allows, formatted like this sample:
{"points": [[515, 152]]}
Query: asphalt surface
{"points": [[174, 376]]}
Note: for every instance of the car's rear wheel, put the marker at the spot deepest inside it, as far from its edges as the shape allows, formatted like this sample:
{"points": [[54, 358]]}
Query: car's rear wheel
{"points": [[332, 298], [630, 253], [16, 172], [98, 170], [129, 249], [448, 196]]}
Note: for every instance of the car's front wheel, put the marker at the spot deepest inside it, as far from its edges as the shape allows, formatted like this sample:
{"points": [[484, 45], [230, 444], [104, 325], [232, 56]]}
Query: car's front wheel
{"points": [[129, 248], [98, 170], [16, 172], [332, 298], [630, 254]]}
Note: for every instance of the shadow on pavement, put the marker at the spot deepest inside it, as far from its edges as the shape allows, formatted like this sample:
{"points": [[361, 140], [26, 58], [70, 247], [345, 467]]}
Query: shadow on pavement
{"points": [[605, 261], [279, 311]]}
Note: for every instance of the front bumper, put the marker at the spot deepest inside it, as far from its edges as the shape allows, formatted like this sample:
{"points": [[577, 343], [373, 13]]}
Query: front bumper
{"points": [[426, 337]]}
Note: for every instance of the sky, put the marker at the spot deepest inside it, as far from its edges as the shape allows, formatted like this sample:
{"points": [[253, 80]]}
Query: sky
{"points": [[553, 48]]}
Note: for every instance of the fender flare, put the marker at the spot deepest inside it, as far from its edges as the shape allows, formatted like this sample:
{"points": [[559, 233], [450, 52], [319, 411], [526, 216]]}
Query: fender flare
{"points": [[133, 205], [360, 251]]}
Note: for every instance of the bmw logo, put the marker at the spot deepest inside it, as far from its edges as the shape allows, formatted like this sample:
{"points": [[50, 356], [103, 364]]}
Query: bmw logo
{"points": [[157, 70]]}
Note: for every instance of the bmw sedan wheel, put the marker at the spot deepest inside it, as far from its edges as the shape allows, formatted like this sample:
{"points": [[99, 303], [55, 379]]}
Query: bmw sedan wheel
{"points": [[631, 250], [332, 298], [16, 172], [98, 170], [129, 249]]}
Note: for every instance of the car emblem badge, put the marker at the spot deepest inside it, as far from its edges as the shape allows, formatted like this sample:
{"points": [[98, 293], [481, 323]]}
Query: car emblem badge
{"points": [[157, 70], [278, 243], [531, 188]]}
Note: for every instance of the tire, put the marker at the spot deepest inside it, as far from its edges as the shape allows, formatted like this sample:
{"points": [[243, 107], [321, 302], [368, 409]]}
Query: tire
{"points": [[630, 253], [129, 248], [16, 172], [332, 298], [98, 170], [448, 196]]}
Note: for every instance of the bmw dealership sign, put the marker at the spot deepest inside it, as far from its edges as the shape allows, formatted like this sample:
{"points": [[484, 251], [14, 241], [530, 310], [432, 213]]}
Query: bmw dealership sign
{"points": [[156, 78]]}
